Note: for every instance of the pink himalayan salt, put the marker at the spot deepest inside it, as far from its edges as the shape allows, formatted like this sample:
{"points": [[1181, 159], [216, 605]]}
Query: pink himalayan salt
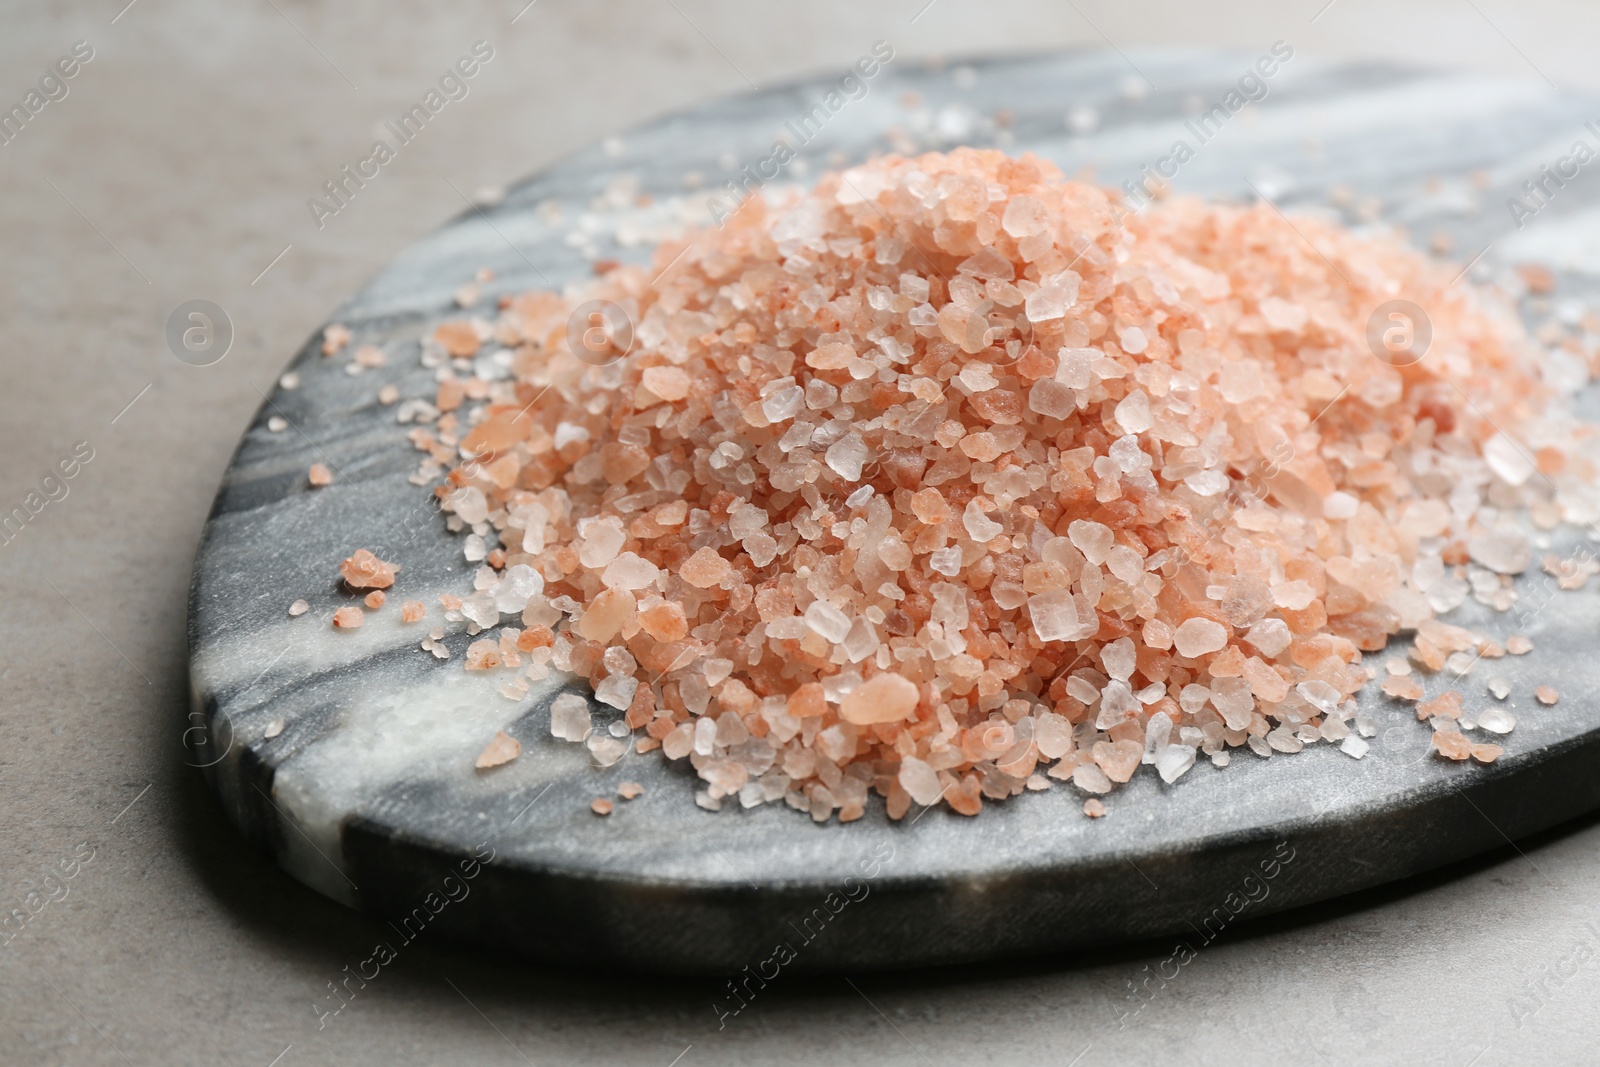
{"points": [[882, 698], [1123, 440], [501, 749], [348, 617], [1546, 695], [366, 571]]}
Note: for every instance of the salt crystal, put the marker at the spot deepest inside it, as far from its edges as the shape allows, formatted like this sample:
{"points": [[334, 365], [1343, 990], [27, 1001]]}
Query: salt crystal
{"points": [[601, 543], [299, 607], [1354, 747], [1157, 737], [569, 717], [1055, 617], [979, 526], [1093, 539], [1502, 551], [828, 621], [1500, 688], [1199, 636], [946, 561], [1506, 460], [1119, 658], [1269, 636], [919, 780], [886, 697], [1175, 762], [846, 456], [1133, 412], [631, 572], [616, 690], [1496, 719], [1132, 339]]}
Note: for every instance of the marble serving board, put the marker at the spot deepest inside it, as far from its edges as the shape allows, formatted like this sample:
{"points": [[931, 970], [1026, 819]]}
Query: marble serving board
{"points": [[349, 756]]}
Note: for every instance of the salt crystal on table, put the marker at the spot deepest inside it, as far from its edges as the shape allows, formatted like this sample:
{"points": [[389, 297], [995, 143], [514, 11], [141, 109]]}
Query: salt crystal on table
{"points": [[569, 717], [1175, 762], [1518, 645], [1500, 688], [501, 749], [919, 780], [1157, 736], [299, 607], [1355, 747], [1502, 551]]}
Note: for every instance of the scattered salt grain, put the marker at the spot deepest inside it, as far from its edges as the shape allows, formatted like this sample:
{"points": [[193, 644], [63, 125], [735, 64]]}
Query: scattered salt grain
{"points": [[299, 607], [503, 748]]}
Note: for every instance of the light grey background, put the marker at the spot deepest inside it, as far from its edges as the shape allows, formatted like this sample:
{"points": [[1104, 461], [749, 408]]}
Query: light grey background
{"points": [[178, 167]]}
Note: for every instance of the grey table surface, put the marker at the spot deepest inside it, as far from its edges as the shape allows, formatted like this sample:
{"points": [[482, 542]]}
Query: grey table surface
{"points": [[177, 167]]}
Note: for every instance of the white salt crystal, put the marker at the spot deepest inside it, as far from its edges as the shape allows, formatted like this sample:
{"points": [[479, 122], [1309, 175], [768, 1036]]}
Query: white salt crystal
{"points": [[1151, 693], [1052, 733], [606, 750], [480, 608], [1496, 720], [1052, 299], [1353, 746], [1460, 663], [1117, 703], [1339, 505], [1192, 698], [1074, 366], [846, 456], [601, 543], [920, 781], [1055, 617], [1233, 700], [979, 526], [1093, 539], [1500, 688], [1051, 399], [629, 571], [946, 561], [1319, 694], [978, 378], [1295, 596], [1090, 779], [299, 607], [1082, 690], [1502, 551], [1126, 564], [616, 690], [1366, 725], [855, 499], [1507, 461], [475, 548], [1269, 636], [1207, 483], [1133, 412], [784, 403], [828, 621], [513, 591], [1119, 658], [1157, 737], [705, 736], [1175, 762], [861, 641], [1199, 636], [569, 717], [746, 519], [1132, 340]]}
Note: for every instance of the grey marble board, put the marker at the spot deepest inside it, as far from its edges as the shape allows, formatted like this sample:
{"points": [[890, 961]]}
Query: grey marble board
{"points": [[367, 791]]}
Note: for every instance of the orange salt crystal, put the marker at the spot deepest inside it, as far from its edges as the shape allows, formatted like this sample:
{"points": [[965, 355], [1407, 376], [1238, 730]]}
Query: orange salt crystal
{"points": [[807, 701], [1546, 695], [629, 790], [334, 338], [704, 569], [1452, 745], [1094, 808], [1402, 687], [664, 621], [459, 338], [320, 475], [348, 617], [601, 806], [535, 637], [881, 698], [501, 749], [374, 599], [363, 570], [413, 611], [1447, 703], [1487, 753]]}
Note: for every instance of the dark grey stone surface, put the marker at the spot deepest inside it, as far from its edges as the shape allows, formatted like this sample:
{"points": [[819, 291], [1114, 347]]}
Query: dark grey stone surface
{"points": [[368, 793]]}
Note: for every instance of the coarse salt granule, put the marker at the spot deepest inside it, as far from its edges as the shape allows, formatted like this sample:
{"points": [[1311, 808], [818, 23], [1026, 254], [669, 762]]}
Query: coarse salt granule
{"points": [[949, 475]]}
